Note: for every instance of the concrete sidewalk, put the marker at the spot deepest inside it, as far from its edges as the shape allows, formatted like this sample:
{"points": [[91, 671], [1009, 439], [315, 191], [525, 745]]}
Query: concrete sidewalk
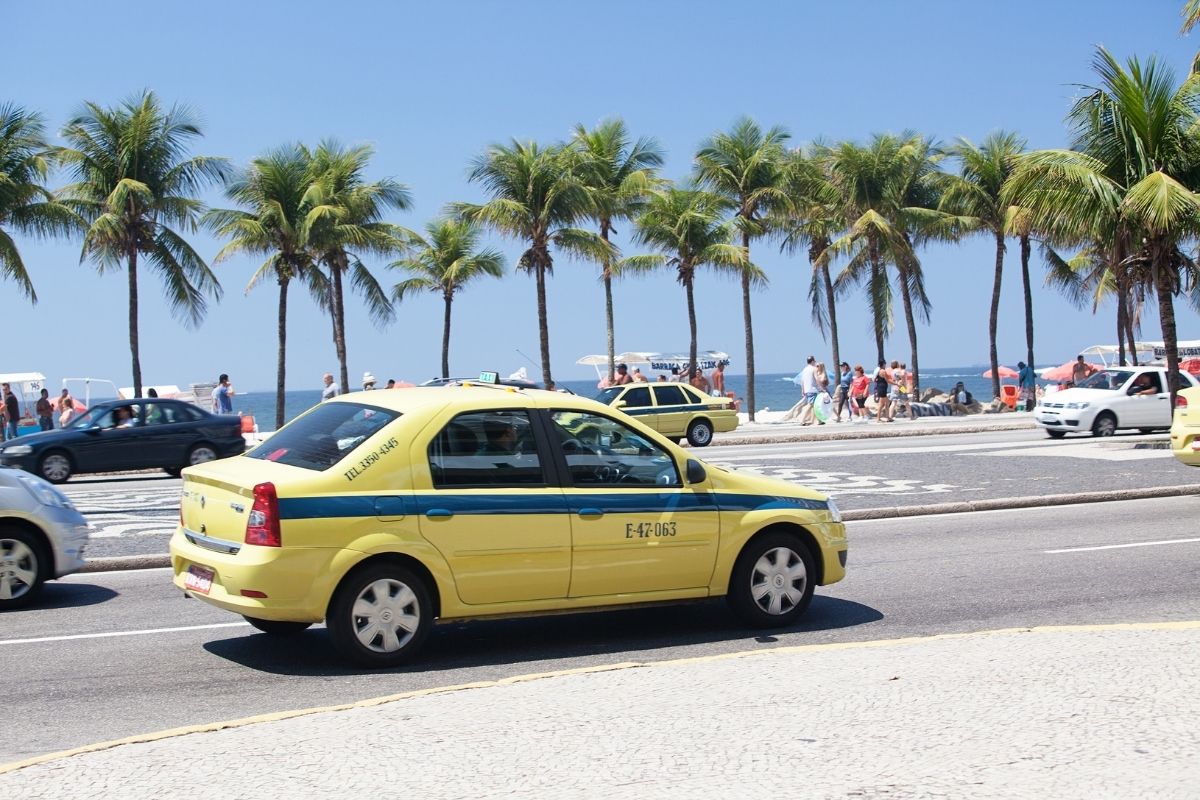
{"points": [[767, 432], [1086, 712]]}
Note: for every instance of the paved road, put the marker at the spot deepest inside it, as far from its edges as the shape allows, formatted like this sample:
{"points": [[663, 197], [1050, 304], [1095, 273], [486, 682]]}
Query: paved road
{"points": [[115, 654], [136, 515]]}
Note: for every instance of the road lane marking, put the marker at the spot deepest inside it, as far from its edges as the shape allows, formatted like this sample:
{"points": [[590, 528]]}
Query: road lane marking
{"points": [[1119, 546], [112, 634]]}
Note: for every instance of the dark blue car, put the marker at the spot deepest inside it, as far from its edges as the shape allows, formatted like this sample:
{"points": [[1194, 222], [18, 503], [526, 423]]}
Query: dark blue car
{"points": [[146, 433]]}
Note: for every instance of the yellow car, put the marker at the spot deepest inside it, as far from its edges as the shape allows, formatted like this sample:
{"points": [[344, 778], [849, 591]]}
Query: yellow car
{"points": [[381, 512], [676, 410], [1185, 430]]}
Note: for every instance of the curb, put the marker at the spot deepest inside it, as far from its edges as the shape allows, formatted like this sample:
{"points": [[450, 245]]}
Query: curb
{"points": [[163, 560], [873, 432]]}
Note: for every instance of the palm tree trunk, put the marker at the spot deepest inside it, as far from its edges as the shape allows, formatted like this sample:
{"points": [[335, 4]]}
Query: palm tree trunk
{"points": [[133, 322], [1165, 286], [446, 338], [691, 309], [994, 317], [1028, 300], [338, 312], [281, 363], [543, 323], [875, 288], [832, 311], [749, 331], [1122, 314], [608, 309], [1129, 334], [911, 322]]}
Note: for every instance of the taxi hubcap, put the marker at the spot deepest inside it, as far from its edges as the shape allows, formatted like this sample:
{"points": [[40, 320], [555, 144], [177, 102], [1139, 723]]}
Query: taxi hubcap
{"points": [[386, 615], [778, 580], [18, 569]]}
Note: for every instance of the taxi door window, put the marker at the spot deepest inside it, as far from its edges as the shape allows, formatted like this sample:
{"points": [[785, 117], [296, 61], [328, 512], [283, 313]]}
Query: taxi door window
{"points": [[486, 448], [603, 452], [669, 395], [694, 395], [637, 398]]}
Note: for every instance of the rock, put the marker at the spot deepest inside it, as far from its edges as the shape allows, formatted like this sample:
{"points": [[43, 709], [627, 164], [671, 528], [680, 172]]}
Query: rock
{"points": [[927, 395]]}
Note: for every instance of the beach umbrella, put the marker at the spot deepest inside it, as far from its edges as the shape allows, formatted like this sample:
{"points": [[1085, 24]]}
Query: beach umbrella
{"points": [[1063, 372], [1191, 365], [1005, 372]]}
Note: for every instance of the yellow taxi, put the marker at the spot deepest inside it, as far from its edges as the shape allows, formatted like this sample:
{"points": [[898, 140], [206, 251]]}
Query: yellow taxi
{"points": [[676, 410], [1185, 429], [382, 512]]}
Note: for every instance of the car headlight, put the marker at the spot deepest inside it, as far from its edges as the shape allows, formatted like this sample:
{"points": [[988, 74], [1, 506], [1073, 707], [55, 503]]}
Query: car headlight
{"points": [[18, 450], [44, 493], [834, 511], [1078, 405]]}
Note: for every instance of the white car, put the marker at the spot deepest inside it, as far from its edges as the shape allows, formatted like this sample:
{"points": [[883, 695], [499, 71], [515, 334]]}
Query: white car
{"points": [[42, 536], [1109, 400]]}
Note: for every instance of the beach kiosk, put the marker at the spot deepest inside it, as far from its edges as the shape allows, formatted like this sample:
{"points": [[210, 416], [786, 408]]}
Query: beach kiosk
{"points": [[27, 386]]}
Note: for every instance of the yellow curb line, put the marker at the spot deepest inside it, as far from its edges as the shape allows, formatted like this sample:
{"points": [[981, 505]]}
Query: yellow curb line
{"points": [[280, 716]]}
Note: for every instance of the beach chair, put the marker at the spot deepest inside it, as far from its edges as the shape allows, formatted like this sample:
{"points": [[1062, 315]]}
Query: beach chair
{"points": [[1008, 395]]}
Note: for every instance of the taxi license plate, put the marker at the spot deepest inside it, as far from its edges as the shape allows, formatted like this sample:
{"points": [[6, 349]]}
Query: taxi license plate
{"points": [[198, 579]]}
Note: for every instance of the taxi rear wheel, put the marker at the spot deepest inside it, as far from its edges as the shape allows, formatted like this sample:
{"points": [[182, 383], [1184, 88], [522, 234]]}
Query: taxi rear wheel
{"points": [[380, 615], [772, 582], [277, 627], [700, 433]]}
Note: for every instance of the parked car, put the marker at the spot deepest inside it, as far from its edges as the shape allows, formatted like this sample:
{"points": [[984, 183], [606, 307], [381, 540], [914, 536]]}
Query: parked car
{"points": [[676, 410], [380, 512], [42, 537], [1110, 400], [1185, 431], [146, 433]]}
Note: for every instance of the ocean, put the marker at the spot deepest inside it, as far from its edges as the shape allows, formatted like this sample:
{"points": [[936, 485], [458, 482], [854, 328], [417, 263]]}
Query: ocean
{"points": [[774, 391]]}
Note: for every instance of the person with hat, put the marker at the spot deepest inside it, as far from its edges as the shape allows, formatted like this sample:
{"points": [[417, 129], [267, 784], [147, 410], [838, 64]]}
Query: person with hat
{"points": [[368, 381], [841, 396], [622, 377], [1027, 383]]}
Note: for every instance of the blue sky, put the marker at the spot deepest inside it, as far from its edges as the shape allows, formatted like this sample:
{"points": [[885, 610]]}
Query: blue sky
{"points": [[430, 86]]}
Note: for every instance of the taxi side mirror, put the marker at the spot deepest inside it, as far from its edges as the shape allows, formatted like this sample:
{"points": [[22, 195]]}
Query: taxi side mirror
{"points": [[695, 471]]}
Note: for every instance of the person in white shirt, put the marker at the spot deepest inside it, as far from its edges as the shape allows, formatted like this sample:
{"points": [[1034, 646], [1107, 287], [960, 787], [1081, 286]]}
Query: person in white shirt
{"points": [[808, 391], [331, 389]]}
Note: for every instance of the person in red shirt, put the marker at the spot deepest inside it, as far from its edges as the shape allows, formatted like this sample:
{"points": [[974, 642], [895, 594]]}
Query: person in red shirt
{"points": [[860, 387]]}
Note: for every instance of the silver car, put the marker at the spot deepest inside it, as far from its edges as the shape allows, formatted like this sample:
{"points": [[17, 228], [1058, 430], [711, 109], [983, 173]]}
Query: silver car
{"points": [[42, 536]]}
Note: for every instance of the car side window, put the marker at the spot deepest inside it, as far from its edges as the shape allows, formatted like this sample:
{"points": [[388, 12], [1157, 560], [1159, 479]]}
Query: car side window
{"points": [[637, 397], [603, 452], [486, 448], [669, 395], [694, 395]]}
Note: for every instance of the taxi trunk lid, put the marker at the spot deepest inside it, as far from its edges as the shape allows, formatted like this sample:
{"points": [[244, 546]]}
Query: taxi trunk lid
{"points": [[217, 498]]}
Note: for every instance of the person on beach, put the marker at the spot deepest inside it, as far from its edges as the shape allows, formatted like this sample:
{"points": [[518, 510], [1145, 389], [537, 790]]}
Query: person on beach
{"points": [[821, 378], [718, 380], [222, 396], [368, 381], [66, 409], [662, 378], [1027, 383], [882, 379], [1080, 371], [391, 384], [860, 389], [898, 393], [808, 390], [12, 413], [698, 380], [841, 397], [44, 411], [638, 376], [331, 389], [622, 377]]}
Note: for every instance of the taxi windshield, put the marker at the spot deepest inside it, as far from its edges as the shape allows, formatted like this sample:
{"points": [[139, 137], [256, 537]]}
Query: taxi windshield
{"points": [[324, 436], [608, 395], [1110, 379]]}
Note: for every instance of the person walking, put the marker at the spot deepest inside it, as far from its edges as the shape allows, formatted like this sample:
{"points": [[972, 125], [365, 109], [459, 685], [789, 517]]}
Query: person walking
{"points": [[1027, 383], [45, 412], [718, 379], [1081, 371], [821, 378], [12, 413], [808, 390], [841, 397], [331, 389], [860, 390], [222, 396], [882, 380], [66, 409]]}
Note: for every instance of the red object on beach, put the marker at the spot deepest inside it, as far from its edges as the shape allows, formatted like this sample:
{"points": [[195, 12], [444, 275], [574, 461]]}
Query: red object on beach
{"points": [[1191, 365], [1063, 372], [1005, 372]]}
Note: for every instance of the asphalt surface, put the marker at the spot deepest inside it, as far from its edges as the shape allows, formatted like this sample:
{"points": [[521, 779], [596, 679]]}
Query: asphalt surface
{"points": [[114, 654]]}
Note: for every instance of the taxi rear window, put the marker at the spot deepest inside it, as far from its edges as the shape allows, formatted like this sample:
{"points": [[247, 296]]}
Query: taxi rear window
{"points": [[324, 436]]}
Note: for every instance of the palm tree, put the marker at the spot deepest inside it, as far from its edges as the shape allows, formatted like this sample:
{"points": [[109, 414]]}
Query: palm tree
{"points": [[445, 261], [974, 195], [135, 186], [26, 205], [1127, 180], [688, 227], [345, 219], [811, 219], [889, 193], [536, 199], [617, 175], [271, 223], [746, 165]]}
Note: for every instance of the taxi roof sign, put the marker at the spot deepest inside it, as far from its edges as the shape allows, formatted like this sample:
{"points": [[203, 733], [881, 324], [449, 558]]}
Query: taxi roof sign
{"points": [[489, 376]]}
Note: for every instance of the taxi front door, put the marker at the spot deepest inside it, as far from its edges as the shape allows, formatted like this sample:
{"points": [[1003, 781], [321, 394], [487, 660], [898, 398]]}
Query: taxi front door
{"points": [[634, 526], [492, 513]]}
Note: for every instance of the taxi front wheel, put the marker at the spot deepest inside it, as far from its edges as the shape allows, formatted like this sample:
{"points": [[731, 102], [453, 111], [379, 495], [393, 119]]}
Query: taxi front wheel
{"points": [[380, 615], [772, 581]]}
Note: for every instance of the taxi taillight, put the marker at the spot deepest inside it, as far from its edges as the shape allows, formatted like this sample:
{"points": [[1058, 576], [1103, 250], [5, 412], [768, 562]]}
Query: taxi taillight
{"points": [[1180, 401], [262, 526]]}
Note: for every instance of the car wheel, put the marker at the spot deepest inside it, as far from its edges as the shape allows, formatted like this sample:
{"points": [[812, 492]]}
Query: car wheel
{"points": [[1105, 425], [1056, 434], [55, 466], [772, 582], [200, 454], [174, 472], [23, 568], [277, 628], [380, 615], [700, 433]]}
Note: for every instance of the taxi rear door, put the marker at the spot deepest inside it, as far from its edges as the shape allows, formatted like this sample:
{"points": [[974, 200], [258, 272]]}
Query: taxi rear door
{"points": [[671, 405], [492, 509], [635, 526]]}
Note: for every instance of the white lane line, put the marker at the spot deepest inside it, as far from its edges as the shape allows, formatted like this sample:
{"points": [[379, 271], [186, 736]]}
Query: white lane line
{"points": [[1119, 546], [112, 634]]}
